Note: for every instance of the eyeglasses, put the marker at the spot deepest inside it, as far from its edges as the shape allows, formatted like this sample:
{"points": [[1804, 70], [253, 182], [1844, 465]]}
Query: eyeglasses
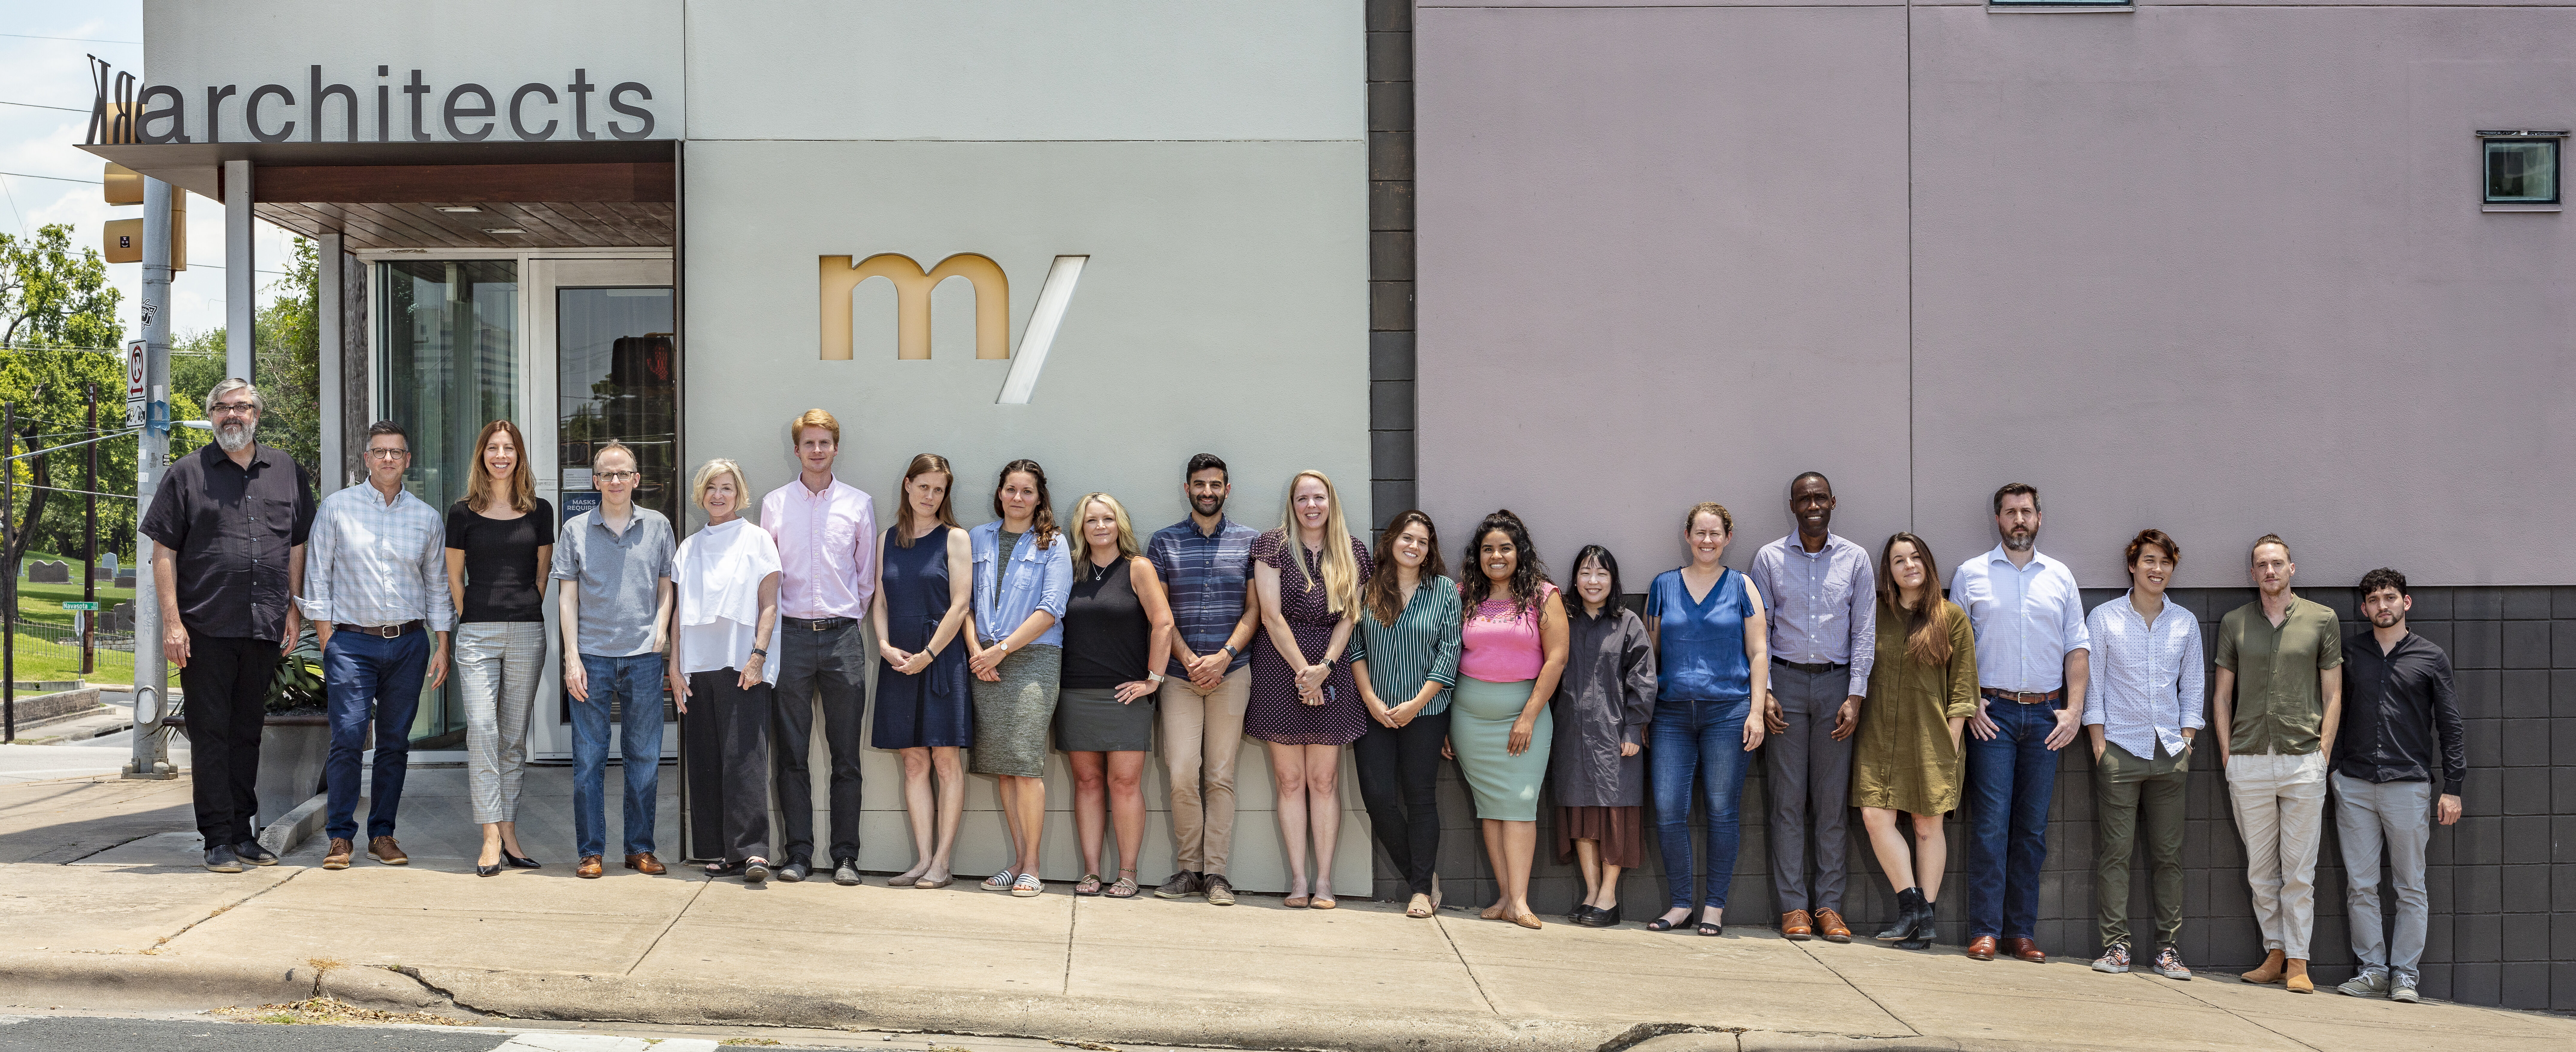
{"points": [[388, 454], [231, 409], [613, 476]]}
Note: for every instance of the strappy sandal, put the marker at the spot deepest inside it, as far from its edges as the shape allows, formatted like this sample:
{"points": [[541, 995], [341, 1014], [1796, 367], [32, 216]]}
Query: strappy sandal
{"points": [[1420, 907], [1660, 924], [1125, 888], [1088, 886]]}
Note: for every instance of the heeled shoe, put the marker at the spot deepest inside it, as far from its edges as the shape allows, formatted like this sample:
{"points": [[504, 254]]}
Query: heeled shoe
{"points": [[520, 861], [1660, 924], [493, 870], [1909, 904]]}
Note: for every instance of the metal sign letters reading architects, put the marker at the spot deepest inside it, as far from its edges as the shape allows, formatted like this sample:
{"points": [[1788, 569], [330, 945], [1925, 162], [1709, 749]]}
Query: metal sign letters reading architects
{"points": [[274, 112], [837, 278]]}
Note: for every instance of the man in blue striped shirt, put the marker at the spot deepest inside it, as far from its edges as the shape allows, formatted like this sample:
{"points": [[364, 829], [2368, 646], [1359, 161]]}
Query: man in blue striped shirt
{"points": [[1206, 565]]}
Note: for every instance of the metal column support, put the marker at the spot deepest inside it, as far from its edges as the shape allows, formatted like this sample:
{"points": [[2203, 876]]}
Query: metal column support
{"points": [[334, 322], [152, 446], [241, 276]]}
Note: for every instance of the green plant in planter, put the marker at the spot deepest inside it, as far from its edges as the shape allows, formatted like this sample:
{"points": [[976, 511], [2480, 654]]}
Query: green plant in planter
{"points": [[297, 683]]}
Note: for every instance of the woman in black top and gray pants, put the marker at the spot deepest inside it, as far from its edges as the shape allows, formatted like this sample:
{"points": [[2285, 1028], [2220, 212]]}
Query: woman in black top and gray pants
{"points": [[1117, 628], [500, 539]]}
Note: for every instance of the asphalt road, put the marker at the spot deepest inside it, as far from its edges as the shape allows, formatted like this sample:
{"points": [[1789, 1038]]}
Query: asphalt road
{"points": [[66, 1033]]}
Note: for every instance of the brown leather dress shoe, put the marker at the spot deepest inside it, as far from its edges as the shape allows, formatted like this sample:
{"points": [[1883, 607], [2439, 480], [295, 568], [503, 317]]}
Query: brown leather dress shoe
{"points": [[1981, 948], [645, 862], [1795, 925], [1830, 925], [588, 869], [2025, 950], [338, 856], [383, 849]]}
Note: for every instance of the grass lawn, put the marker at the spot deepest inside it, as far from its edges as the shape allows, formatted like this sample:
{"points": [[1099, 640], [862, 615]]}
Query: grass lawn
{"points": [[43, 603], [39, 660]]}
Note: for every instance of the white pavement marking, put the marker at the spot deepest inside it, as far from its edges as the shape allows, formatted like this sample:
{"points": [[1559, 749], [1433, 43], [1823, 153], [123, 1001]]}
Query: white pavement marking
{"points": [[601, 1043]]}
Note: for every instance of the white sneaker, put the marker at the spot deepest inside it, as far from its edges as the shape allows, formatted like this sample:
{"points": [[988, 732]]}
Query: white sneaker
{"points": [[999, 881], [2370, 983], [1027, 887]]}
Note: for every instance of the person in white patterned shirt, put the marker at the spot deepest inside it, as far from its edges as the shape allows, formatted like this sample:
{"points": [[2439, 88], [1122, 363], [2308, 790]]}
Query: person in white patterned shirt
{"points": [[2142, 710], [375, 589]]}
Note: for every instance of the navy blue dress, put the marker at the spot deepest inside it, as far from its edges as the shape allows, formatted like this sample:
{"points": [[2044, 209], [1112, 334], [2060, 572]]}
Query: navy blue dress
{"points": [[933, 708]]}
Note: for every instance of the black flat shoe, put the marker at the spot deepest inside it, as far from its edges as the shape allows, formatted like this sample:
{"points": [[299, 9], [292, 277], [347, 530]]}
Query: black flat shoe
{"points": [[493, 870], [520, 862], [1580, 911], [1601, 918]]}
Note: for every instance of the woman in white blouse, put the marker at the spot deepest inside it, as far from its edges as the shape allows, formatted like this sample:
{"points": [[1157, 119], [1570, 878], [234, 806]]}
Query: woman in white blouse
{"points": [[726, 577]]}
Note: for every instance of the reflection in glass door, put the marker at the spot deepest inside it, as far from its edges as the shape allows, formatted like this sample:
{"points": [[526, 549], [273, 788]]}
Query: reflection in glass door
{"points": [[617, 378], [449, 364]]}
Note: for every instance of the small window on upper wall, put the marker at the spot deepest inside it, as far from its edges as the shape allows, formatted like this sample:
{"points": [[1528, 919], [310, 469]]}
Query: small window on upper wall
{"points": [[2521, 166]]}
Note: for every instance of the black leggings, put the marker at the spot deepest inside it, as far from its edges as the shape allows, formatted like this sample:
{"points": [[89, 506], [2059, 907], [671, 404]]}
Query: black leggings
{"points": [[1399, 774]]}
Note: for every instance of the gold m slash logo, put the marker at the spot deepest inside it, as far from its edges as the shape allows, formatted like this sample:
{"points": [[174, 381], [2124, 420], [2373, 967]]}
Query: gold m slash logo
{"points": [[912, 287]]}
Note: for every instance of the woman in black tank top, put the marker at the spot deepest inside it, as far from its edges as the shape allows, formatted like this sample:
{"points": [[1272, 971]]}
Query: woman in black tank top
{"points": [[1117, 630]]}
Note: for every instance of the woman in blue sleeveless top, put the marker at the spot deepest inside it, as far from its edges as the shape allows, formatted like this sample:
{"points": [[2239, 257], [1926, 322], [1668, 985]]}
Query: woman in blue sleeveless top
{"points": [[925, 584], [1706, 621]]}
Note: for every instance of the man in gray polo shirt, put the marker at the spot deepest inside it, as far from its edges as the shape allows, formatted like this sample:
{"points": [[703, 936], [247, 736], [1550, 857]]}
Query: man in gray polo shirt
{"points": [[616, 605]]}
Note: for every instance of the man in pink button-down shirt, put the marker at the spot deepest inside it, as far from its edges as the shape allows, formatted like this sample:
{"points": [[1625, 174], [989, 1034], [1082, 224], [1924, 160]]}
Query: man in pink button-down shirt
{"points": [[826, 531]]}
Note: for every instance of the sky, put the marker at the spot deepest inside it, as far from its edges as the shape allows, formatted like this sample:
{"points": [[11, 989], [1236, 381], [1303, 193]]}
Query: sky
{"points": [[34, 142]]}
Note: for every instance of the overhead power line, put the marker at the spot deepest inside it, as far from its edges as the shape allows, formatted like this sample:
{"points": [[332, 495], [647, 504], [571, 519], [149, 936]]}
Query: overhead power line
{"points": [[56, 178], [41, 106], [84, 40]]}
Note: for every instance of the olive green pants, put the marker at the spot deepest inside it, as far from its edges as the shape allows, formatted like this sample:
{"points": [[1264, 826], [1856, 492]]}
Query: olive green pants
{"points": [[2124, 787]]}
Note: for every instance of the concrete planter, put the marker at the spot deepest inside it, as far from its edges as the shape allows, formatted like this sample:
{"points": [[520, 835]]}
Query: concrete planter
{"points": [[292, 748]]}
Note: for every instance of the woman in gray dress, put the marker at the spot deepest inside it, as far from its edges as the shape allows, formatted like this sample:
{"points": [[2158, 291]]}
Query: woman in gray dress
{"points": [[1022, 578], [1603, 707]]}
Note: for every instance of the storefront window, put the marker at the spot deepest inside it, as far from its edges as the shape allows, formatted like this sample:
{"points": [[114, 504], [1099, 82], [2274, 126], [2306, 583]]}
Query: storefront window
{"points": [[450, 364], [618, 379]]}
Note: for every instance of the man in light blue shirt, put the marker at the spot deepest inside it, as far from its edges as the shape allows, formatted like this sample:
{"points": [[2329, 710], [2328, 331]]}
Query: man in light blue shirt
{"points": [[2142, 709], [2031, 672], [1822, 618]]}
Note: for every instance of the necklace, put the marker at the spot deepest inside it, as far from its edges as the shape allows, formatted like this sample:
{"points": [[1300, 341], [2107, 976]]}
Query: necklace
{"points": [[1098, 571]]}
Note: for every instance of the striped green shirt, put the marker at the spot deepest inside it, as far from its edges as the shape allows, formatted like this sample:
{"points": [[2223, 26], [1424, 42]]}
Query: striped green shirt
{"points": [[1420, 647]]}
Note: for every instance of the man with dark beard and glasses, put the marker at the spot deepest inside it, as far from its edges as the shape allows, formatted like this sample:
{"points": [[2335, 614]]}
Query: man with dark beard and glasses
{"points": [[2034, 659], [227, 528], [1206, 565], [2401, 719]]}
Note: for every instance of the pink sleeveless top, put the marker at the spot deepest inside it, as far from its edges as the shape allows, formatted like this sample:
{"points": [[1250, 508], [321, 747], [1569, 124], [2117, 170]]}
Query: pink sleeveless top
{"points": [[1498, 647]]}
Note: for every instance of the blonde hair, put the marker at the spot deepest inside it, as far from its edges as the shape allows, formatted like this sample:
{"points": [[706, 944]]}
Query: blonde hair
{"points": [[706, 477], [812, 418], [1341, 568], [1127, 547], [479, 483]]}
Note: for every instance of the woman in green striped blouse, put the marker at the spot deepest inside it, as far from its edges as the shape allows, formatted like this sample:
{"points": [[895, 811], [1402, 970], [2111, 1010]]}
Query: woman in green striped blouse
{"points": [[1405, 658]]}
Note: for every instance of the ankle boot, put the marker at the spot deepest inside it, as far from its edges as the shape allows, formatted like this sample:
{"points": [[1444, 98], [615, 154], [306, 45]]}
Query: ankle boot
{"points": [[2296, 977], [1924, 917], [1907, 902], [2267, 972]]}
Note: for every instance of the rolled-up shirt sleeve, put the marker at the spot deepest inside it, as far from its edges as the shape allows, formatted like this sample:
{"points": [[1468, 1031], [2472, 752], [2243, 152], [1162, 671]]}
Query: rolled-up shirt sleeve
{"points": [[433, 571], [1864, 625], [321, 544], [1447, 642], [2195, 682], [1056, 588]]}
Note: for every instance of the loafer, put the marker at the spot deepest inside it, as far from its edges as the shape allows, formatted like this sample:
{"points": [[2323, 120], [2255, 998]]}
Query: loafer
{"points": [[644, 862], [2025, 950], [794, 872], [1981, 948], [1580, 911], [1601, 918], [845, 872], [1182, 885], [251, 852], [1796, 926], [1830, 927], [338, 855], [1220, 891], [383, 849], [589, 868], [221, 859]]}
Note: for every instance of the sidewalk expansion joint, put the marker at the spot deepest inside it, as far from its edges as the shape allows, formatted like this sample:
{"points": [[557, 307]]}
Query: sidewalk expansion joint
{"points": [[683, 911], [2232, 1013], [219, 911], [1470, 969], [1855, 987]]}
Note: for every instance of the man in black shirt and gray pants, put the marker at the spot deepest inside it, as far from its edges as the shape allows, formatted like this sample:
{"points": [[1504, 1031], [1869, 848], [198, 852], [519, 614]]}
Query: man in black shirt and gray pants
{"points": [[227, 528], [2397, 703]]}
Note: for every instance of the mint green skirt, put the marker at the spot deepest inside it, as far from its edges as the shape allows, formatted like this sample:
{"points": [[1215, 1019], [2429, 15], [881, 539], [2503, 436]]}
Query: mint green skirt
{"points": [[1480, 732]]}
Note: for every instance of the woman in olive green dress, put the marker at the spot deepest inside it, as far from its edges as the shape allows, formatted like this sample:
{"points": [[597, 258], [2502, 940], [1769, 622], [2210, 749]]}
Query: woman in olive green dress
{"points": [[1922, 690]]}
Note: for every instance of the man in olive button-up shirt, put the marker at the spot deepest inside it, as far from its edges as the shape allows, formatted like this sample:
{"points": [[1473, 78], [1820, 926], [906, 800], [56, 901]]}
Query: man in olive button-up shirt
{"points": [[2276, 705]]}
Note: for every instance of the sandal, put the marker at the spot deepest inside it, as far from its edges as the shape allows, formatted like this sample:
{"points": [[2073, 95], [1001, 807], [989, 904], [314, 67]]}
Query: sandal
{"points": [[1419, 908], [999, 881], [1326, 902], [1088, 886], [1709, 927], [1027, 887], [1660, 924], [1126, 887]]}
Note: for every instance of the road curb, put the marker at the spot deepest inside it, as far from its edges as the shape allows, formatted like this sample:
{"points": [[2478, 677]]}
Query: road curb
{"points": [[293, 828]]}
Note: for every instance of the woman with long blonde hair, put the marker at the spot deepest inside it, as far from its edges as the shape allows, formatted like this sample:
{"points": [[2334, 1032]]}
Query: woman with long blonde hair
{"points": [[1117, 635], [500, 539], [1308, 575]]}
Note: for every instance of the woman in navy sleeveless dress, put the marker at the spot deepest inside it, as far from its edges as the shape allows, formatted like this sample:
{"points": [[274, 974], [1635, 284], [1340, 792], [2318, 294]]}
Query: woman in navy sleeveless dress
{"points": [[924, 708]]}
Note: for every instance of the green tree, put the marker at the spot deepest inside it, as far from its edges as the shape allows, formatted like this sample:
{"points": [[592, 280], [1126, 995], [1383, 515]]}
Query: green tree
{"points": [[59, 334], [287, 356]]}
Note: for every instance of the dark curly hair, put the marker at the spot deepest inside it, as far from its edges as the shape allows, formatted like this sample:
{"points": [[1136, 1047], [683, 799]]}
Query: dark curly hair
{"points": [[1383, 601], [1528, 572], [1042, 521]]}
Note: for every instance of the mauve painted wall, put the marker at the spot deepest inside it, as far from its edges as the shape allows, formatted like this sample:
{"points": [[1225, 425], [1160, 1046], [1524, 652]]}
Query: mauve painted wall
{"points": [[2220, 270]]}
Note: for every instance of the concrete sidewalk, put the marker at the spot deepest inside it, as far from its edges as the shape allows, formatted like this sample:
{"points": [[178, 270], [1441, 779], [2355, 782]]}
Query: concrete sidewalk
{"points": [[139, 925]]}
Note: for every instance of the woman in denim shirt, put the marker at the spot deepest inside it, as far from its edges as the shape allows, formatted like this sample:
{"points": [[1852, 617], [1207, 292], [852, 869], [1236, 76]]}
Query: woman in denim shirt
{"points": [[1023, 575]]}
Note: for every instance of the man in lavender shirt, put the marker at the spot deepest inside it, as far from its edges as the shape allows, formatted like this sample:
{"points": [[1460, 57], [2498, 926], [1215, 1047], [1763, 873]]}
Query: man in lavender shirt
{"points": [[1823, 629], [826, 531]]}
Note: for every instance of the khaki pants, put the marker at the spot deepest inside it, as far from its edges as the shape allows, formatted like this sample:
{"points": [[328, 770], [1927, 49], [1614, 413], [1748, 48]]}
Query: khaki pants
{"points": [[1202, 736], [2280, 804], [2125, 789]]}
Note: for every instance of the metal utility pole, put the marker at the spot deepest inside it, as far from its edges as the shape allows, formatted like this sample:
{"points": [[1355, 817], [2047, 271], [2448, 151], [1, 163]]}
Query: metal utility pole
{"points": [[89, 550], [152, 446], [9, 589]]}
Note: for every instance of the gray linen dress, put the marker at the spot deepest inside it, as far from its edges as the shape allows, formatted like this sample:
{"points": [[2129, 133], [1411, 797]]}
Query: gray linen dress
{"points": [[1606, 698]]}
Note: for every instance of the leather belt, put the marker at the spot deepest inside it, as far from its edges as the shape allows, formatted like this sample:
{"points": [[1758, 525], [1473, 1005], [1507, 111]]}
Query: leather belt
{"points": [[822, 624], [379, 631], [2023, 696], [1812, 668]]}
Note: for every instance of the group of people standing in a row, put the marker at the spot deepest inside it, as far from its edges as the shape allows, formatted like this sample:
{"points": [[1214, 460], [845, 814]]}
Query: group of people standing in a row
{"points": [[1870, 688]]}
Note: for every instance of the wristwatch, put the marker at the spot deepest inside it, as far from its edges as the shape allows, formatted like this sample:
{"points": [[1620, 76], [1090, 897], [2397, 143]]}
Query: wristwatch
{"points": [[1230, 651], [759, 652], [1156, 677]]}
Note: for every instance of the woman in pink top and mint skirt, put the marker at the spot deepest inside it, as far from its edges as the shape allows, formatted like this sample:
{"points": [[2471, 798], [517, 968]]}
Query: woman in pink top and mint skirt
{"points": [[1513, 650]]}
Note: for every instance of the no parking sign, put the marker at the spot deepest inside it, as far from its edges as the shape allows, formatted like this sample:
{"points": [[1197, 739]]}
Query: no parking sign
{"points": [[134, 387]]}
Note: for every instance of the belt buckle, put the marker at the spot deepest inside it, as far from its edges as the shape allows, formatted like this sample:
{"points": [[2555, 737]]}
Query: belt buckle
{"points": [[386, 631]]}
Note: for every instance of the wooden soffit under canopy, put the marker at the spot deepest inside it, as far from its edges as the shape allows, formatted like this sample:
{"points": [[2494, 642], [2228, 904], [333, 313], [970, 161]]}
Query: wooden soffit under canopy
{"points": [[441, 195]]}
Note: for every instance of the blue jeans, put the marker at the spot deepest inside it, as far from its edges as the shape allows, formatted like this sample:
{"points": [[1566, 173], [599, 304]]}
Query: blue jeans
{"points": [[363, 676], [635, 685], [2010, 780], [1703, 739]]}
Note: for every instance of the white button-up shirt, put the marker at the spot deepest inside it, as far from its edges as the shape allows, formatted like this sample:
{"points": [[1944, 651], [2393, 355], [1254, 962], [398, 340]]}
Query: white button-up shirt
{"points": [[827, 549], [2146, 685], [2027, 619], [374, 563]]}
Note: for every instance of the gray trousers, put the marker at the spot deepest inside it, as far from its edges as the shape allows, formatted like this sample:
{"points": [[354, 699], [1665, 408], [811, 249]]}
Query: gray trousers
{"points": [[498, 666], [1810, 777], [2399, 814]]}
